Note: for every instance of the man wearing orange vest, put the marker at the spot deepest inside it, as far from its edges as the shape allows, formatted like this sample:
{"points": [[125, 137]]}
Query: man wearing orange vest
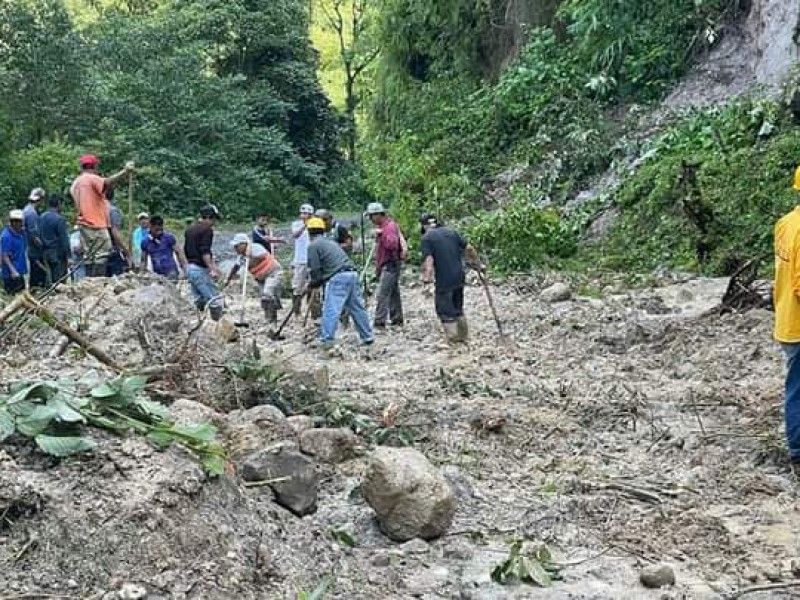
{"points": [[266, 270], [786, 296]]}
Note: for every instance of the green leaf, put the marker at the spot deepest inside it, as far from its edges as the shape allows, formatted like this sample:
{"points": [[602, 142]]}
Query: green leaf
{"points": [[36, 422], [154, 409], [160, 439], [203, 432], [214, 464], [500, 572], [131, 386], [6, 424], [536, 573], [343, 537], [64, 411], [104, 391], [62, 445], [20, 409], [40, 390]]}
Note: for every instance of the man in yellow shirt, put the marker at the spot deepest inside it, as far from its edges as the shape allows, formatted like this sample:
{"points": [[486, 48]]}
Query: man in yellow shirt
{"points": [[787, 318]]}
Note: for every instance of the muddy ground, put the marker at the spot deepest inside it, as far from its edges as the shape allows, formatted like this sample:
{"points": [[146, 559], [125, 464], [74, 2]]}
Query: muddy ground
{"points": [[634, 429]]}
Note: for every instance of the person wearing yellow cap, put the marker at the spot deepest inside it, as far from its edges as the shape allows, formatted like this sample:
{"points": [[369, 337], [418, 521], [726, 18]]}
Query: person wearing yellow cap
{"points": [[329, 266], [786, 297]]}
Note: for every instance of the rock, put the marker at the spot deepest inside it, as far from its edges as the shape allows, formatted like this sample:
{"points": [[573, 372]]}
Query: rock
{"points": [[261, 415], [558, 292], [131, 591], [185, 411], [299, 423], [458, 550], [461, 486], [381, 559], [225, 331], [298, 493], [415, 546], [410, 497], [330, 445], [656, 576]]}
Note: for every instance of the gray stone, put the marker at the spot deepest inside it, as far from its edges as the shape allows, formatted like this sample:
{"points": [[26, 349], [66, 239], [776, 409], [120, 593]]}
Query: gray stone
{"points": [[656, 576], [261, 415], [381, 559], [185, 412], [458, 550], [298, 491], [131, 591], [410, 497], [330, 445], [299, 423], [415, 546], [558, 292], [460, 484]]}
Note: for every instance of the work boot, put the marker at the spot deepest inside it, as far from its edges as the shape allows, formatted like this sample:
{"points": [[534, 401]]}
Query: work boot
{"points": [[215, 312], [270, 314], [451, 332], [297, 305], [463, 329]]}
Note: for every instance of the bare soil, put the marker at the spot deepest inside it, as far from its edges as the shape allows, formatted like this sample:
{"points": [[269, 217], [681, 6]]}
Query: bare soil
{"points": [[621, 430]]}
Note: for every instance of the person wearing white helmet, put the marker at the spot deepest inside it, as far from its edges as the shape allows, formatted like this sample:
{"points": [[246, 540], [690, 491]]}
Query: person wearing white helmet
{"points": [[266, 270], [13, 252], [390, 252], [300, 260]]}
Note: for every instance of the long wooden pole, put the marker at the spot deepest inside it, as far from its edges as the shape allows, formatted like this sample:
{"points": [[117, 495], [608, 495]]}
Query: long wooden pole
{"points": [[130, 215]]}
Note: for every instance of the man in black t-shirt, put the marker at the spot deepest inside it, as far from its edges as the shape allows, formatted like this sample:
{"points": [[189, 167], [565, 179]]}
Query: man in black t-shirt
{"points": [[201, 269], [336, 230], [443, 251]]}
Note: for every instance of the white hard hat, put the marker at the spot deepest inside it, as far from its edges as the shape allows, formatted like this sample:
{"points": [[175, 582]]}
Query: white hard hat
{"points": [[142, 215], [16, 215], [375, 208], [240, 238], [36, 194], [307, 209]]}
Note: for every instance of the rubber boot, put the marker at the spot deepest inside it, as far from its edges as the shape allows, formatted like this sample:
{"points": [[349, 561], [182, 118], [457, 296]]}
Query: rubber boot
{"points": [[215, 312], [463, 329], [297, 302], [270, 314], [451, 332]]}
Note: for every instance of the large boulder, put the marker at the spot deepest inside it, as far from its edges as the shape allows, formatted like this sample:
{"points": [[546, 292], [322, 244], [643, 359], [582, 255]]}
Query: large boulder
{"points": [[410, 497], [293, 477], [558, 292], [330, 445]]}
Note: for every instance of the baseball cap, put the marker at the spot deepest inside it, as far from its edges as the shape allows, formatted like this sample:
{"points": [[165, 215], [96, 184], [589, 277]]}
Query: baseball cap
{"points": [[375, 208], [16, 215], [36, 194], [143, 215], [323, 213], [307, 209], [89, 160], [240, 238], [209, 211]]}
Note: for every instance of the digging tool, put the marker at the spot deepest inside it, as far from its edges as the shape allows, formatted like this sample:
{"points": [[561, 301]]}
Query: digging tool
{"points": [[241, 322], [485, 284], [278, 334]]}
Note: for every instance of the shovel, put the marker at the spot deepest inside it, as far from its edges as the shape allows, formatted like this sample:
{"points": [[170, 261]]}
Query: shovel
{"points": [[485, 284], [278, 335], [241, 322]]}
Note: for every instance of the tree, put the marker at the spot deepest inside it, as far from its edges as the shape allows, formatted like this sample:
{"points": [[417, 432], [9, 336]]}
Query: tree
{"points": [[349, 20]]}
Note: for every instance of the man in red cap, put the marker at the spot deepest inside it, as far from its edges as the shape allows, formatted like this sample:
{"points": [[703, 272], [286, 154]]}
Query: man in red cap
{"points": [[93, 212]]}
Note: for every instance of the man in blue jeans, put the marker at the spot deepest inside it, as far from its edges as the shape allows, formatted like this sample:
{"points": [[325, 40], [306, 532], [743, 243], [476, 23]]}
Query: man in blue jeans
{"points": [[786, 295], [201, 269], [330, 266]]}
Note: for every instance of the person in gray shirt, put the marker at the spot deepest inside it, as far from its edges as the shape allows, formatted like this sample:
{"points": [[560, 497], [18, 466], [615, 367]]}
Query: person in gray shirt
{"points": [[55, 240], [329, 266], [31, 213]]}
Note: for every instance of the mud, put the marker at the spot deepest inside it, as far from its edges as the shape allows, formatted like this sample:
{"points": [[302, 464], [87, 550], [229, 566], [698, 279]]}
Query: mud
{"points": [[635, 429]]}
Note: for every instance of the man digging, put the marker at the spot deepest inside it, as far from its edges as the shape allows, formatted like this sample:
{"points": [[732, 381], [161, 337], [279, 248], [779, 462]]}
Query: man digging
{"points": [[443, 251], [266, 270], [329, 266]]}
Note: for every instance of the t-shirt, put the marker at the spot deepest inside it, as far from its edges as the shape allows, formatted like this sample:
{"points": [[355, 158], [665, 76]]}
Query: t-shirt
{"points": [[259, 260], [260, 236], [300, 244], [93, 208], [325, 259], [340, 234], [54, 234], [31, 222], [115, 217], [446, 246], [14, 245], [161, 252], [786, 294], [389, 246], [198, 240]]}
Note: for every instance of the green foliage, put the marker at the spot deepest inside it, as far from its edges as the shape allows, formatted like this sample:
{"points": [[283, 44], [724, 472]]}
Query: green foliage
{"points": [[56, 414], [536, 569], [745, 155], [520, 237]]}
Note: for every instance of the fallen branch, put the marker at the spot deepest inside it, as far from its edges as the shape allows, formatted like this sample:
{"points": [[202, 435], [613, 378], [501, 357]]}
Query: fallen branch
{"points": [[266, 482], [50, 319], [767, 587], [11, 308], [65, 341]]}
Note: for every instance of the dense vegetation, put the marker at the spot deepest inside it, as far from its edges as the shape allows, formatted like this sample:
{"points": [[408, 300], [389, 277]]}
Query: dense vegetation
{"points": [[218, 100]]}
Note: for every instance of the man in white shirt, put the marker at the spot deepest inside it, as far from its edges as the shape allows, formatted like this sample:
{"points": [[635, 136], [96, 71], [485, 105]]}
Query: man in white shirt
{"points": [[300, 261]]}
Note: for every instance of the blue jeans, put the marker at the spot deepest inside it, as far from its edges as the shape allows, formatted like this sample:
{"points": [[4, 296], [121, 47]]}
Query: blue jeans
{"points": [[344, 292], [792, 400], [204, 290]]}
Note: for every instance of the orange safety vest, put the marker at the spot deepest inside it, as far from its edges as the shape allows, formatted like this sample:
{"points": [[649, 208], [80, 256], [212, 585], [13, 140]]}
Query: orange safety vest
{"points": [[265, 264]]}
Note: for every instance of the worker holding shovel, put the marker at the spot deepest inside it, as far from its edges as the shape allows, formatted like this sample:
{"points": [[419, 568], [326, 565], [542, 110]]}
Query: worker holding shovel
{"points": [[443, 251], [266, 270]]}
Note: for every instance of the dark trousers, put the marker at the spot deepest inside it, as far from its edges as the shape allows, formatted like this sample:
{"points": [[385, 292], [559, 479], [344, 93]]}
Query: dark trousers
{"points": [[449, 304], [38, 276], [13, 286], [58, 270], [792, 400], [388, 301]]}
